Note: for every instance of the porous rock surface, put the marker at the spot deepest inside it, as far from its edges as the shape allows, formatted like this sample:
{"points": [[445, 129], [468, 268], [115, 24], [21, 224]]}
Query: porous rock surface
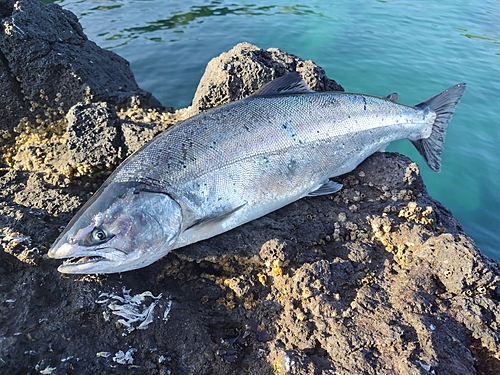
{"points": [[245, 68], [378, 278], [93, 127], [45, 55]]}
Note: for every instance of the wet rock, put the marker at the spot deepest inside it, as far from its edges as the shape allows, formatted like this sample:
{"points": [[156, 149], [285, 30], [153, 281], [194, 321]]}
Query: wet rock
{"points": [[245, 68]]}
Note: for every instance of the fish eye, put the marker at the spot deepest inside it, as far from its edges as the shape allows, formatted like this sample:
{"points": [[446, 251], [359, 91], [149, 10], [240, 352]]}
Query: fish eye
{"points": [[99, 235]]}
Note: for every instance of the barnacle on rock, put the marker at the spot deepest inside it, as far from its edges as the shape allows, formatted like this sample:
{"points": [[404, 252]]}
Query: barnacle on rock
{"points": [[368, 279]]}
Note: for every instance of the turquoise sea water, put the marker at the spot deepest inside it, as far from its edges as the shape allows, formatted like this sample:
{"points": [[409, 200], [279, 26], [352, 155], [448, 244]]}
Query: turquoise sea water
{"points": [[416, 48]]}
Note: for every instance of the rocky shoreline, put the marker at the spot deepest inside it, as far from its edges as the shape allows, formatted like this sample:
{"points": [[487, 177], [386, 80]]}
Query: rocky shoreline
{"points": [[376, 279]]}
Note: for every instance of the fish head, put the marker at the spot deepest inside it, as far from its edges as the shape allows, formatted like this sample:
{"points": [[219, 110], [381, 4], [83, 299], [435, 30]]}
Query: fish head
{"points": [[123, 227]]}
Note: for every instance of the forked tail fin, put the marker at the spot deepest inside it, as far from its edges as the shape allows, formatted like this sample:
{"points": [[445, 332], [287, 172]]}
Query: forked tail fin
{"points": [[443, 105]]}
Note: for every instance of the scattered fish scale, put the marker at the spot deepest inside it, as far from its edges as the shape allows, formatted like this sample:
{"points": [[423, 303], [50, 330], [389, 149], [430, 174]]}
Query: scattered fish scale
{"points": [[134, 312]]}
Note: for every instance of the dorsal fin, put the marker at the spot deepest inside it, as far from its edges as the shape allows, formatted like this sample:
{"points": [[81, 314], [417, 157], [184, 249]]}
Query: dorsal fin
{"points": [[393, 97], [291, 83]]}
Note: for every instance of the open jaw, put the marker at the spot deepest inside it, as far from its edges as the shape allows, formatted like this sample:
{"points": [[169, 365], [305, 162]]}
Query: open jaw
{"points": [[97, 261], [83, 260], [85, 264]]}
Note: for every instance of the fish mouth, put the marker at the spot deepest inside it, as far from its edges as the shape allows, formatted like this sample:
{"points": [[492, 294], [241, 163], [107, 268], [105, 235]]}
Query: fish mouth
{"points": [[88, 264], [80, 260], [83, 260]]}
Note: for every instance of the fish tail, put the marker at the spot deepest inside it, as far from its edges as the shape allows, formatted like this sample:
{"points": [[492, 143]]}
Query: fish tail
{"points": [[443, 105]]}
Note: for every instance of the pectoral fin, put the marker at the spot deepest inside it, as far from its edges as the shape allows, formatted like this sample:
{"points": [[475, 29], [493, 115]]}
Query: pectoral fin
{"points": [[211, 225], [328, 187]]}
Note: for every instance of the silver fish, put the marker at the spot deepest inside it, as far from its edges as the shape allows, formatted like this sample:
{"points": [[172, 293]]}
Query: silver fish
{"points": [[238, 162]]}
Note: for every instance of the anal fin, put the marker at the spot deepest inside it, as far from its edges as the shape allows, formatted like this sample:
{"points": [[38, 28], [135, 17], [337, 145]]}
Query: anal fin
{"points": [[328, 187]]}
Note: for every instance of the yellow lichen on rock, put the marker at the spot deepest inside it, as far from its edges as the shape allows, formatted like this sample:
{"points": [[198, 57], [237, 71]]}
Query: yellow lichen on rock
{"points": [[249, 302], [33, 144], [382, 232], [381, 227], [262, 278], [276, 267], [415, 213], [73, 171]]}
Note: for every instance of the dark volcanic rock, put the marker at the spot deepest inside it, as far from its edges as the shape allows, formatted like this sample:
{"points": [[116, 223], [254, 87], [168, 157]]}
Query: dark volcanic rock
{"points": [[11, 98], [244, 69], [48, 64], [378, 278], [94, 127]]}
